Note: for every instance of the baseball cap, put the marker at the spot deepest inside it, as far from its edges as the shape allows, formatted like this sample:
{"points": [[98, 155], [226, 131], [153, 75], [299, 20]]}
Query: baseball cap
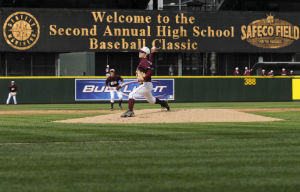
{"points": [[145, 50], [12, 81], [112, 70]]}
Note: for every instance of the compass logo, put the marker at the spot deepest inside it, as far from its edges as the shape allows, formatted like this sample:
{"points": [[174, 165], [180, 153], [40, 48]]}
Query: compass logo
{"points": [[21, 30]]}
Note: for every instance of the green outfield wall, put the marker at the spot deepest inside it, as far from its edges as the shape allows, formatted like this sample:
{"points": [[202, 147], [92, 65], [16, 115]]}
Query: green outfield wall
{"points": [[233, 89], [34, 90]]}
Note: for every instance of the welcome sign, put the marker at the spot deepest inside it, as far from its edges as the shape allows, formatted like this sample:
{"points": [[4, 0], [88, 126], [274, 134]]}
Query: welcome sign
{"points": [[69, 30]]}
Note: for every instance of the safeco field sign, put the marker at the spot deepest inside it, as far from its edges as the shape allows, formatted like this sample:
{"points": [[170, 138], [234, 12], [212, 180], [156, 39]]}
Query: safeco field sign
{"points": [[96, 90]]}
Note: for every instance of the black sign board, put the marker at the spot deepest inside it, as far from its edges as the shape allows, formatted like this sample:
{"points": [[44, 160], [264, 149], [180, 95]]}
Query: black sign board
{"points": [[69, 30]]}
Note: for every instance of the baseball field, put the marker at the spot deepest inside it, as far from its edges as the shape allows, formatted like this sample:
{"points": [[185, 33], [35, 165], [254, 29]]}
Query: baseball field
{"points": [[39, 151]]}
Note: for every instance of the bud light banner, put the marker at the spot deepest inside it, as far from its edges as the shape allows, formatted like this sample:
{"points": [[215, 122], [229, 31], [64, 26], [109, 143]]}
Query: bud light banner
{"points": [[96, 90]]}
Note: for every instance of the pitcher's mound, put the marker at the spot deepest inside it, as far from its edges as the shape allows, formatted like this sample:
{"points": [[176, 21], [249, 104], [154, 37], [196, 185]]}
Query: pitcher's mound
{"points": [[175, 116]]}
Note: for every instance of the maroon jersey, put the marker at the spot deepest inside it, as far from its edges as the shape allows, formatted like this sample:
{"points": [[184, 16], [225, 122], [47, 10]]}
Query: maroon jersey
{"points": [[270, 74], [236, 73], [263, 73], [145, 67], [283, 73], [12, 88], [247, 72], [113, 81]]}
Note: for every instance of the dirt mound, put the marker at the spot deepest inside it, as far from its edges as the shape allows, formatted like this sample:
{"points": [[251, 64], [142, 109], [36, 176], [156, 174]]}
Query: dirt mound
{"points": [[175, 116], [72, 111]]}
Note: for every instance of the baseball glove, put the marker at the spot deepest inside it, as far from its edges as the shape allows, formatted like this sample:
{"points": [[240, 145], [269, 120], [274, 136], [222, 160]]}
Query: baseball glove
{"points": [[140, 76], [13, 93], [118, 87]]}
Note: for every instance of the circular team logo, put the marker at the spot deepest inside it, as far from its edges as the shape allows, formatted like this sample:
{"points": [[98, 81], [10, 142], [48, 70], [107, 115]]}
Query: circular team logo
{"points": [[21, 30]]}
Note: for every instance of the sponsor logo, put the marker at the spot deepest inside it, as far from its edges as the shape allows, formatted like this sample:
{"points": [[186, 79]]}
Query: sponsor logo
{"points": [[270, 33], [21, 30], [126, 89], [97, 90]]}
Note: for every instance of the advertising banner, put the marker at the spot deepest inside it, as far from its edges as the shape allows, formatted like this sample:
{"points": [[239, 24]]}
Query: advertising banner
{"points": [[96, 90]]}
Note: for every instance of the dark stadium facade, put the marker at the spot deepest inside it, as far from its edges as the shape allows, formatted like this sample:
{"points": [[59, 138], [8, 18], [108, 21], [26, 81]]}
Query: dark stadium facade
{"points": [[196, 37]]}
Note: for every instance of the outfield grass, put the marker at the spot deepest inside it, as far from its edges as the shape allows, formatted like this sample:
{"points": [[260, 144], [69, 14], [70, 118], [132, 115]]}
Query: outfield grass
{"points": [[39, 155]]}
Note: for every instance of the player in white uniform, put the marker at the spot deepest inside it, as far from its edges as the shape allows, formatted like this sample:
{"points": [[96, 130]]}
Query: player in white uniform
{"points": [[107, 74], [143, 74], [114, 86]]}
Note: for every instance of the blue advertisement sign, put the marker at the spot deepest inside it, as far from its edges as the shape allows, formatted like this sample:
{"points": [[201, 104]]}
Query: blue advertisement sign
{"points": [[96, 90]]}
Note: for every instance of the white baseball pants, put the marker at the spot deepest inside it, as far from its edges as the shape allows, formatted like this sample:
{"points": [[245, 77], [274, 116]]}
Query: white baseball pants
{"points": [[9, 97], [112, 91], [144, 90]]}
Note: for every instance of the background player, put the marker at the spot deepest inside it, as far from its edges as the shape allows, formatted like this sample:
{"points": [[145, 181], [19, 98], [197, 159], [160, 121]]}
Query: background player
{"points": [[283, 72], [12, 93], [107, 74], [143, 74], [247, 72], [271, 73], [113, 83], [236, 72]]}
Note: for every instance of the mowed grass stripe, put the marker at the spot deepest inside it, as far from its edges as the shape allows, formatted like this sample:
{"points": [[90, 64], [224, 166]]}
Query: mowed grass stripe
{"points": [[210, 157], [165, 166], [41, 128], [106, 106]]}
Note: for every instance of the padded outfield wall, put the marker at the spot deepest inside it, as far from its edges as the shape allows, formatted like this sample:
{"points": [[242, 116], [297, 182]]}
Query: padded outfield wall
{"points": [[34, 90]]}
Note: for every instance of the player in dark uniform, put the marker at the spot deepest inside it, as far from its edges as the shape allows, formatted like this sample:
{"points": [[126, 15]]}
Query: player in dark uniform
{"points": [[143, 73], [247, 72], [114, 86], [236, 72], [12, 89], [283, 72], [271, 73]]}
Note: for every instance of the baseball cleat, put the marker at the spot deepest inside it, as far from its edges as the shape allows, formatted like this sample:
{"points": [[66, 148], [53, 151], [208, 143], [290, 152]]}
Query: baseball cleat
{"points": [[165, 105], [111, 109], [128, 114]]}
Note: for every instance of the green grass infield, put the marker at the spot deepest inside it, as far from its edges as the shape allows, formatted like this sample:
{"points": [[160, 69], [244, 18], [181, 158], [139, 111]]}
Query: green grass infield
{"points": [[37, 155]]}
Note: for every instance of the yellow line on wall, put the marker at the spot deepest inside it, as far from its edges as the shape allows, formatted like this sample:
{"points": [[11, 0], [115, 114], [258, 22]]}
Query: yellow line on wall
{"points": [[163, 77]]}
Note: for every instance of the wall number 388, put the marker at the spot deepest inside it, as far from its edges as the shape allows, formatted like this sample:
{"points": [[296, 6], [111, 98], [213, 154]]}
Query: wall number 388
{"points": [[249, 81]]}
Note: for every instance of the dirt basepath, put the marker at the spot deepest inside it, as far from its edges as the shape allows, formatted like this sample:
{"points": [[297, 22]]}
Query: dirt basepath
{"points": [[33, 112], [174, 116], [267, 109]]}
